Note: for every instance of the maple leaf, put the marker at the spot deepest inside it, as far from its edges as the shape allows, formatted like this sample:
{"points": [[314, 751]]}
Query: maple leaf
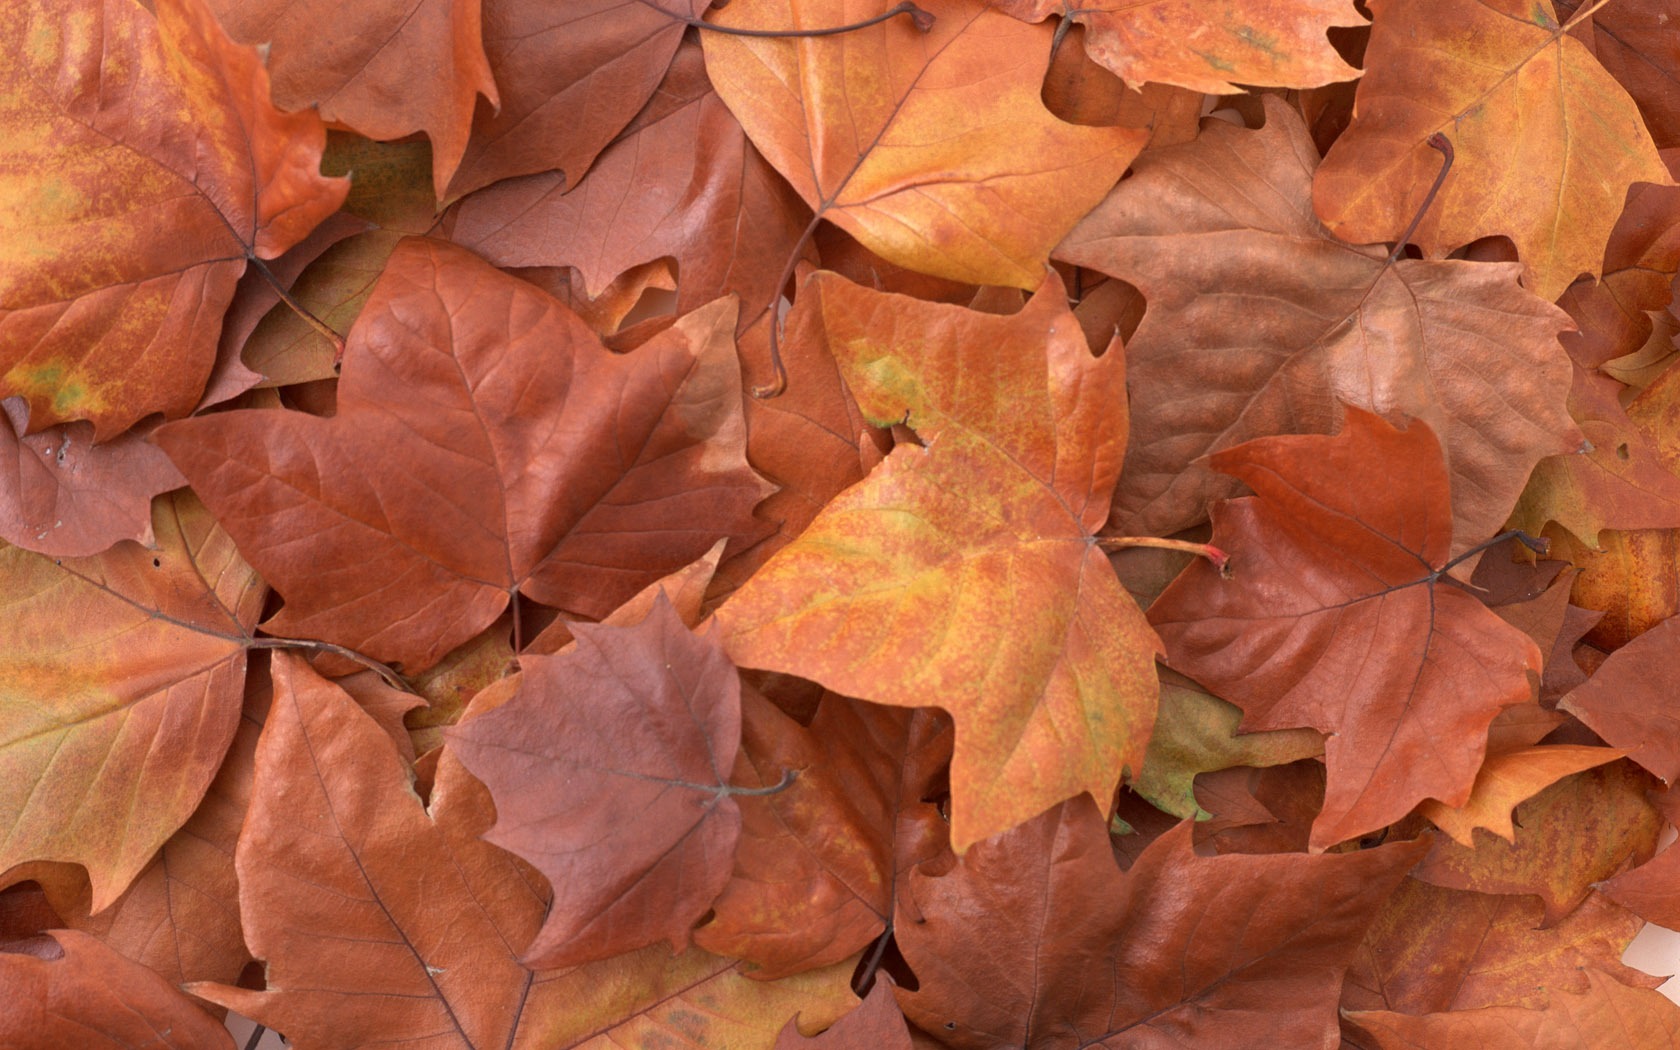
{"points": [[1259, 322], [1607, 1014], [1035, 939], [1630, 701], [1505, 781], [1626, 39], [1338, 619], [681, 181], [485, 445], [425, 920], [963, 574], [877, 1022], [820, 864], [385, 69], [108, 660], [859, 125], [610, 771], [77, 992], [117, 321], [1474, 70], [1207, 47]]}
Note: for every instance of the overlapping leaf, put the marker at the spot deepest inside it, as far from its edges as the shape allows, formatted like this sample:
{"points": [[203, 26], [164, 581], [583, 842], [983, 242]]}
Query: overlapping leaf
{"points": [[110, 302], [1259, 322], [1337, 618], [962, 574], [485, 445], [860, 124]]}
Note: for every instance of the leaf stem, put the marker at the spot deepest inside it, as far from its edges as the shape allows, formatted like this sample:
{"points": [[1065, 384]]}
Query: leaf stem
{"points": [[392, 678], [865, 979], [1581, 16], [302, 311], [1440, 142], [1537, 544], [779, 381], [788, 777], [922, 19], [1203, 550]]}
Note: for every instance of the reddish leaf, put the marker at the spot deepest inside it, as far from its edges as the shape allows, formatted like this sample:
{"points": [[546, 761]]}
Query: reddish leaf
{"points": [[1652, 890], [1472, 70], [1632, 700], [858, 123], [1608, 1014], [120, 685], [1259, 321], [89, 996], [610, 773], [963, 574], [385, 69], [121, 319], [1505, 781], [820, 865], [1035, 938], [876, 1023], [1337, 618], [485, 445], [1637, 42]]}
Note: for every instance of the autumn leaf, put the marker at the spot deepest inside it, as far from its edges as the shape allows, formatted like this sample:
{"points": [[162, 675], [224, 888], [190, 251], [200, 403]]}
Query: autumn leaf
{"points": [[858, 124], [1505, 781], [109, 660], [384, 69], [427, 921], [1208, 47], [1474, 70], [639, 829], [78, 992], [1630, 702], [1036, 939], [877, 1022], [119, 319], [1259, 322], [485, 445], [1338, 618], [963, 574]]}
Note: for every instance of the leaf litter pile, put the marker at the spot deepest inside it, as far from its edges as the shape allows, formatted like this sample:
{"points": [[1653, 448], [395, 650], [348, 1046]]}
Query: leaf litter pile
{"points": [[972, 523]]}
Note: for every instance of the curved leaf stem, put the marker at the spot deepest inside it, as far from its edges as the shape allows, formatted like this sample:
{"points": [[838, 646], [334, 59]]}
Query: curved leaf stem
{"points": [[922, 19], [779, 381], [1440, 142], [788, 777], [392, 678], [1537, 544], [298, 308], [1202, 550]]}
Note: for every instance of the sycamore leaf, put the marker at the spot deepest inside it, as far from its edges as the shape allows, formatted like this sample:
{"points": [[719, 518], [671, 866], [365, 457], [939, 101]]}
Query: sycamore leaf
{"points": [[1196, 732], [1337, 618], [1636, 42], [120, 686], [382, 922], [485, 445], [1259, 321], [571, 76], [610, 772], [1507, 780], [1607, 1014], [1208, 46], [1432, 949], [877, 1023], [860, 125], [86, 995], [963, 574], [119, 319], [1631, 701], [681, 182], [63, 496], [1575, 833], [385, 69], [821, 864], [1035, 939], [1474, 70]]}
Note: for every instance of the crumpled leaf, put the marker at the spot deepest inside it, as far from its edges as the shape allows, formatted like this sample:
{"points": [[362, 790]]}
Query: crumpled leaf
{"points": [[1208, 46], [117, 321], [610, 773], [385, 69], [1336, 618], [89, 996], [120, 685], [485, 445], [1474, 70], [1259, 321], [416, 944], [963, 574], [1505, 781], [859, 124], [1632, 700], [1036, 939], [63, 496], [1608, 1014]]}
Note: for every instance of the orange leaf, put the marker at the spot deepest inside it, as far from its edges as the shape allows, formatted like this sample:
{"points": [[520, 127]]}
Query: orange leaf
{"points": [[1476, 71], [860, 124], [1337, 619], [963, 574], [1505, 781], [154, 141]]}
